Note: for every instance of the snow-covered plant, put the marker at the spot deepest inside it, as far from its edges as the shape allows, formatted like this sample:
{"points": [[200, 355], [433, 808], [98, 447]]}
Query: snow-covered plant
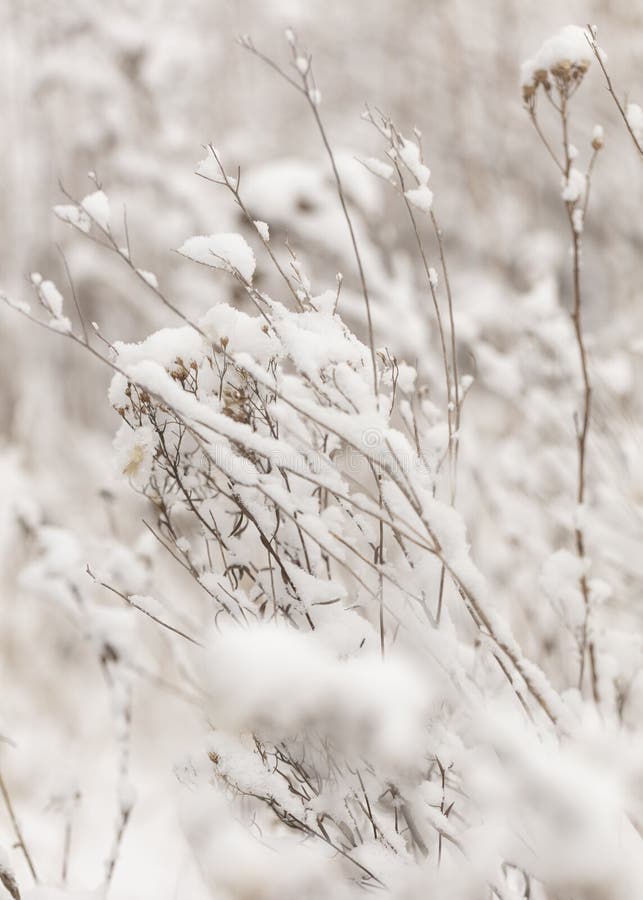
{"points": [[371, 721], [560, 67]]}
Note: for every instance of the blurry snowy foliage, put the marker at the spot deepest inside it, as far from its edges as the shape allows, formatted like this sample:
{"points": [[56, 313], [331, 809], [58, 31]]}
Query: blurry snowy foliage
{"points": [[351, 602]]}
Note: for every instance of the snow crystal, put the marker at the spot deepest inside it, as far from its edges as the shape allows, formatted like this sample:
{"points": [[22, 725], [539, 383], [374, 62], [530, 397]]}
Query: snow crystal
{"points": [[221, 251], [96, 206]]}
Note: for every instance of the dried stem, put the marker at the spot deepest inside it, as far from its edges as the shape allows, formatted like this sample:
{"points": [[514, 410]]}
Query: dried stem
{"points": [[308, 89], [608, 81], [576, 206], [20, 840]]}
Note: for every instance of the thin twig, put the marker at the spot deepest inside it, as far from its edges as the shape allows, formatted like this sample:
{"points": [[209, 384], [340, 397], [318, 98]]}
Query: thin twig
{"points": [[20, 840]]}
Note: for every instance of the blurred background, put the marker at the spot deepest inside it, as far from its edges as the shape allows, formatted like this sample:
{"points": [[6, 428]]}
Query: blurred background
{"points": [[133, 91]]}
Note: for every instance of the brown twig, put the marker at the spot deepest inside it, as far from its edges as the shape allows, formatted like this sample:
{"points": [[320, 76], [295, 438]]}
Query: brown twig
{"points": [[20, 840]]}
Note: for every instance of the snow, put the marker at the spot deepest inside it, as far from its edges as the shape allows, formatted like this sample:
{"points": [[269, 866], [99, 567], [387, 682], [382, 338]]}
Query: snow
{"points": [[315, 340], [127, 796], [147, 604], [75, 216], [245, 865], [634, 115], [163, 346], [149, 277], [421, 198], [281, 670], [559, 580], [134, 449], [263, 230], [221, 251], [378, 167], [569, 47], [301, 524], [299, 196], [209, 168], [61, 324], [7, 875], [578, 220], [96, 206], [406, 378], [242, 332], [356, 183], [574, 186], [44, 892], [410, 154], [20, 305], [51, 298]]}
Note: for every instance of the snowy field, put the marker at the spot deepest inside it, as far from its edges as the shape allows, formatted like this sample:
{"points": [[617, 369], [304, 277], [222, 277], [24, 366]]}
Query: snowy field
{"points": [[321, 475]]}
